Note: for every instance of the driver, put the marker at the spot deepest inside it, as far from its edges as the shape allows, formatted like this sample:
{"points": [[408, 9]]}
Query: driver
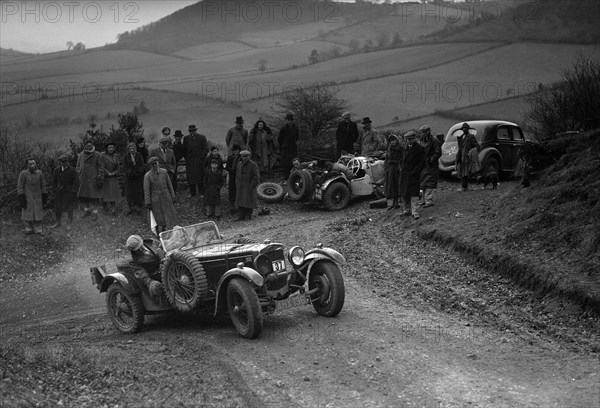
{"points": [[340, 168], [144, 263]]}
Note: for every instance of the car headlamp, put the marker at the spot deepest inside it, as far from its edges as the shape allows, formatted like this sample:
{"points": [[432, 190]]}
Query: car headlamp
{"points": [[296, 256], [263, 265]]}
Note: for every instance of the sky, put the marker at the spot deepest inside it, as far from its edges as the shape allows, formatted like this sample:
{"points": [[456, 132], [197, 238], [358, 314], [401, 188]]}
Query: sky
{"points": [[47, 26]]}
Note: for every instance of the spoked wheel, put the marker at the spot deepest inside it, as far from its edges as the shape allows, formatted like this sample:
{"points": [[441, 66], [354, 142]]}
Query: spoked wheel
{"points": [[329, 299], [125, 311], [270, 192], [184, 281], [336, 196], [300, 185], [244, 308]]}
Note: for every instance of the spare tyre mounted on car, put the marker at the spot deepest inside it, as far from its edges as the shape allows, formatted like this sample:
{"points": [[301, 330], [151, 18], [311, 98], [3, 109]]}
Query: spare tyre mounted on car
{"points": [[300, 185], [184, 281], [270, 192]]}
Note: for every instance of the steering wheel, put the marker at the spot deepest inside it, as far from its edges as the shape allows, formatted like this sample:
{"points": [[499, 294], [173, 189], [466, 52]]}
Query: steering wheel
{"points": [[354, 166]]}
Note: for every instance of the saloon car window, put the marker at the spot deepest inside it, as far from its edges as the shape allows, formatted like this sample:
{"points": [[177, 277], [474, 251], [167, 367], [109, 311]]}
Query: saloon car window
{"points": [[503, 133]]}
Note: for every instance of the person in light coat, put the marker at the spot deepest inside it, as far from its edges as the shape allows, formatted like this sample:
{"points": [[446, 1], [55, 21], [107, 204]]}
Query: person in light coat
{"points": [[371, 141], [91, 179], [33, 194], [159, 196]]}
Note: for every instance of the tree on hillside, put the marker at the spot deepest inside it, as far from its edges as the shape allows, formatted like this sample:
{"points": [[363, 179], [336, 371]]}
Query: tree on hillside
{"points": [[317, 109], [569, 105], [354, 45], [79, 47], [396, 40], [262, 65], [313, 58], [70, 45], [383, 39], [129, 130]]}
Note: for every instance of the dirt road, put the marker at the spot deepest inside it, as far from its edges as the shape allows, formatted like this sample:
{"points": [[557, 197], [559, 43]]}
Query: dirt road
{"points": [[386, 348]]}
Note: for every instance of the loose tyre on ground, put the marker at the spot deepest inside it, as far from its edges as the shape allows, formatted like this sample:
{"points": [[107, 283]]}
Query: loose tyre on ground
{"points": [[329, 300], [336, 196], [300, 185], [184, 281], [270, 192], [125, 311], [244, 308]]}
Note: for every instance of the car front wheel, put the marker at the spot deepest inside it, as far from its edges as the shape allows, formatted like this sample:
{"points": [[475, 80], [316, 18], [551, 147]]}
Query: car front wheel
{"points": [[125, 311], [329, 298], [336, 196], [244, 308]]}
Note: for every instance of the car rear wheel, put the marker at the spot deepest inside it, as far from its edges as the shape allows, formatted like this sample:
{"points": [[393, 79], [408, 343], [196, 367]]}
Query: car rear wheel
{"points": [[244, 308], [336, 196], [491, 165], [329, 299], [270, 192], [184, 281], [300, 185], [125, 310]]}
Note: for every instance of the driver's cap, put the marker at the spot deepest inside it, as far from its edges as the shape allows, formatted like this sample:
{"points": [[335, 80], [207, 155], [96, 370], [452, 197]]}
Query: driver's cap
{"points": [[134, 242]]}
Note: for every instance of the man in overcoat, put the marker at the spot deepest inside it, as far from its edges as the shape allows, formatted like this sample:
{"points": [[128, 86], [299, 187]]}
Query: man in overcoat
{"points": [[213, 181], [247, 178], [195, 147], [178, 152], [110, 187], [288, 144], [32, 192], [237, 135], [430, 174], [413, 162], [133, 166], [467, 161], [159, 196], [346, 135], [393, 162], [371, 140], [65, 184], [231, 166], [91, 179]]}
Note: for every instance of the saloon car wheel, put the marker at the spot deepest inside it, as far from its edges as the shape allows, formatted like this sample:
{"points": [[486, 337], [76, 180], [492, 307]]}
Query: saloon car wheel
{"points": [[336, 196], [270, 192], [300, 185], [125, 311], [184, 281], [244, 308], [329, 299], [491, 166]]}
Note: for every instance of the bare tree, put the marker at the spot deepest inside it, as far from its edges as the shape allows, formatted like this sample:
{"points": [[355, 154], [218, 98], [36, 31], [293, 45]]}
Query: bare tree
{"points": [[70, 45]]}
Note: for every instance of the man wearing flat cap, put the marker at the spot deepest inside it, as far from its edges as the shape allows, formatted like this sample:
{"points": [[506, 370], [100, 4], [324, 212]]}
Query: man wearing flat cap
{"points": [[467, 157], [246, 181], [346, 135], [65, 184], [430, 174], [165, 156], [413, 162], [288, 144], [371, 141], [195, 149], [237, 135]]}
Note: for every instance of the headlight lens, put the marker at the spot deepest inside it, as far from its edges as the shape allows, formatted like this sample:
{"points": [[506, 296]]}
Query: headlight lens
{"points": [[296, 256], [263, 264]]}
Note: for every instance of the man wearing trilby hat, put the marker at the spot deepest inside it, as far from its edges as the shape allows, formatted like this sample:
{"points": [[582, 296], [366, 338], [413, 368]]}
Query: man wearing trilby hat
{"points": [[65, 184], [165, 156], [371, 141], [159, 196], [467, 159], [413, 162], [346, 135], [237, 135], [288, 144], [195, 147]]}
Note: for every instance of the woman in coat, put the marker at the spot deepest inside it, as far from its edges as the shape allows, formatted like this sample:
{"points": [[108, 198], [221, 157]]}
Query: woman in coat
{"points": [[132, 166], [110, 189], [262, 146], [393, 162], [159, 196], [246, 181], [91, 179]]}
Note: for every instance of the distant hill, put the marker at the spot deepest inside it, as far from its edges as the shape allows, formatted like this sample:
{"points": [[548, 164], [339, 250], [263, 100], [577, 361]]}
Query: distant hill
{"points": [[570, 21], [9, 52], [227, 20]]}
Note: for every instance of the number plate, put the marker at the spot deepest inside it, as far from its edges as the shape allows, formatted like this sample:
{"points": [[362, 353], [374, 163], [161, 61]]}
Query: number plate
{"points": [[318, 194], [278, 266], [291, 302]]}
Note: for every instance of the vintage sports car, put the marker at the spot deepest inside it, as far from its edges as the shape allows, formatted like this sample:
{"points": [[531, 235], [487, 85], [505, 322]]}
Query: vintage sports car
{"points": [[333, 190], [200, 270]]}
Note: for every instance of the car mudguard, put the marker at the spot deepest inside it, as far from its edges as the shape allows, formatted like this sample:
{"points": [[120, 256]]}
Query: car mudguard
{"points": [[247, 273], [487, 152], [335, 179], [128, 283], [324, 253]]}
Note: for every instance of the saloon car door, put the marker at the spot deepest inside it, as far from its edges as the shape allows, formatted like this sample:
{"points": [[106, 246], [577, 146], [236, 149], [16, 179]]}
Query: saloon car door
{"points": [[506, 146]]}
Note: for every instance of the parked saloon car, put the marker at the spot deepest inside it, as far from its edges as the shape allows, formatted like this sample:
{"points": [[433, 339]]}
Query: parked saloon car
{"points": [[199, 269], [499, 140]]}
